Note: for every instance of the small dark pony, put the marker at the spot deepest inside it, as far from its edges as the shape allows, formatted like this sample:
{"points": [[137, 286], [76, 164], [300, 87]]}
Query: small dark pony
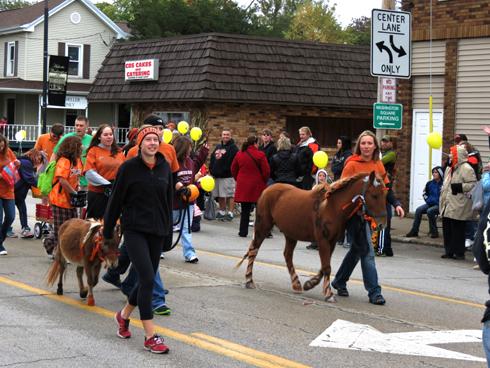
{"points": [[317, 215], [81, 242]]}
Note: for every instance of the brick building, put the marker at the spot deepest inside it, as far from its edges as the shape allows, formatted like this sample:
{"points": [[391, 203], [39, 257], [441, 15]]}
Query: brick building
{"points": [[455, 66], [245, 83]]}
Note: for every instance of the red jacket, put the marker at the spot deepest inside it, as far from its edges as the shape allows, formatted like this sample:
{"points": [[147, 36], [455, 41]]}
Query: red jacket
{"points": [[250, 182]]}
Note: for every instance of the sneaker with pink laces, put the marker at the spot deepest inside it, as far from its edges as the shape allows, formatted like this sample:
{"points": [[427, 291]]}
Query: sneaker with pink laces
{"points": [[123, 331], [155, 345]]}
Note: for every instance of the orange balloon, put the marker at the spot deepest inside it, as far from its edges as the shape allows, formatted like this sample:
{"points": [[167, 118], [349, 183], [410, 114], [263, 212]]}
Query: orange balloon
{"points": [[194, 193]]}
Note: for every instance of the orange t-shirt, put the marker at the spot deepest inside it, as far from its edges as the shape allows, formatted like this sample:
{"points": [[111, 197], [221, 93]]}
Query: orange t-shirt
{"points": [[6, 191], [100, 160], [46, 144], [355, 165], [64, 169], [167, 150]]}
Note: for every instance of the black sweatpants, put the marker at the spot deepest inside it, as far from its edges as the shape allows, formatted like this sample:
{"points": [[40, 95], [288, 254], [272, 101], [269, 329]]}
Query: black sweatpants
{"points": [[454, 236], [144, 252]]}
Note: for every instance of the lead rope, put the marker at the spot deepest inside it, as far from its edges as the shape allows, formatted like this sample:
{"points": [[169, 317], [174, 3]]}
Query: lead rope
{"points": [[182, 215]]}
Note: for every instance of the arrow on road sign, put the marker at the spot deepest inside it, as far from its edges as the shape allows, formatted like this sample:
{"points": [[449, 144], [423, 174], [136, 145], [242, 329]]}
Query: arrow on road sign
{"points": [[353, 336], [401, 51], [381, 47]]}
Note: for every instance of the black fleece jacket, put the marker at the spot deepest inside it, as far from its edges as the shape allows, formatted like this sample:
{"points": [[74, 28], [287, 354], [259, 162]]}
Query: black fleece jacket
{"points": [[142, 197]]}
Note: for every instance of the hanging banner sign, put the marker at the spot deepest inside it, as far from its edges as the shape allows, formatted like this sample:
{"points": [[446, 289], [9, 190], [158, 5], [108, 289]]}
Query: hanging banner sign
{"points": [[141, 70], [57, 79]]}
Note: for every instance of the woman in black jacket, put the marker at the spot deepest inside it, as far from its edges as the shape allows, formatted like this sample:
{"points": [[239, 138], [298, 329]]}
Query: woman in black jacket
{"points": [[344, 147], [284, 165], [142, 196]]}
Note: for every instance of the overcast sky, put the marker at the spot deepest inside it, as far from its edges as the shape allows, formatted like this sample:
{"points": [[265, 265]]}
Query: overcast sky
{"points": [[346, 9]]}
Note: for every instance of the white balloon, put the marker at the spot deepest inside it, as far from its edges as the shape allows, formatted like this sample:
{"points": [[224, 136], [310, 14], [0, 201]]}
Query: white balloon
{"points": [[19, 137]]}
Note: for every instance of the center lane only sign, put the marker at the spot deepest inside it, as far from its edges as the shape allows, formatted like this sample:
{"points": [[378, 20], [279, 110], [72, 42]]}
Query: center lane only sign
{"points": [[391, 44]]}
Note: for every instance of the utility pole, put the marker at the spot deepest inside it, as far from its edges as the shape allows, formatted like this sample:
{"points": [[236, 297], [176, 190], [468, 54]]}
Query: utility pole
{"points": [[45, 70]]}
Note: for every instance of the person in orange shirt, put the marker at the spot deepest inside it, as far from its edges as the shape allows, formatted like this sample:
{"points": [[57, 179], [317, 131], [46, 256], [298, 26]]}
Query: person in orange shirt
{"points": [[47, 142], [366, 159], [167, 150], [103, 160], [7, 197], [65, 184]]}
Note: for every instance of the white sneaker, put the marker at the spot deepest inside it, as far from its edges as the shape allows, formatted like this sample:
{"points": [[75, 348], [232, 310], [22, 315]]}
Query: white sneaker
{"points": [[26, 233], [468, 243], [3, 252], [176, 228], [162, 256]]}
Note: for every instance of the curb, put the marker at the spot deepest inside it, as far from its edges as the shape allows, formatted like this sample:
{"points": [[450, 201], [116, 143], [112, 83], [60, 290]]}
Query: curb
{"points": [[420, 241]]}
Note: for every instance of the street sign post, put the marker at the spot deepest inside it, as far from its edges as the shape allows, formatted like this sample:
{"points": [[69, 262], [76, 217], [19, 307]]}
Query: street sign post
{"points": [[391, 44], [387, 116]]}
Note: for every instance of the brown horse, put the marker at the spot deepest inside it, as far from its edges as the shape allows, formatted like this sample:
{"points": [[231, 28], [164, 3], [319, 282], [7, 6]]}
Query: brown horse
{"points": [[81, 242], [317, 215]]}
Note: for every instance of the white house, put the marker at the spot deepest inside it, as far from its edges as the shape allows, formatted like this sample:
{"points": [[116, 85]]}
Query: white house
{"points": [[76, 28]]}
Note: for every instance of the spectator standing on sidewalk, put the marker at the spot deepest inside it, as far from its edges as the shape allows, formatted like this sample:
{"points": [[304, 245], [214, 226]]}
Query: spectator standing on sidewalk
{"points": [[268, 146], [365, 160], [344, 151], [284, 165], [251, 171], [455, 206], [142, 197], [432, 192], [220, 169], [305, 149]]}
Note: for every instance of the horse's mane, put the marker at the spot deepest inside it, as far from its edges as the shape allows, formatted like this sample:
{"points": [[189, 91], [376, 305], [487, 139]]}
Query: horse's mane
{"points": [[344, 183]]}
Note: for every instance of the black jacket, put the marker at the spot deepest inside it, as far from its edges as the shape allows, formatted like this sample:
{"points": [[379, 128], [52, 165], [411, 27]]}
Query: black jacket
{"points": [[142, 197], [269, 150], [285, 167], [338, 163], [221, 159], [480, 253]]}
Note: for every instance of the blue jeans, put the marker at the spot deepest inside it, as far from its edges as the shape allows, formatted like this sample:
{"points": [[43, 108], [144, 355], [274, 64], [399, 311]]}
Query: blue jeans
{"points": [[368, 265], [470, 229], [7, 206], [186, 238], [486, 341], [432, 212]]}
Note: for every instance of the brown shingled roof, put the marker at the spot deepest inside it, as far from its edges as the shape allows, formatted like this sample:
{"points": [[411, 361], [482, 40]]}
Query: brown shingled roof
{"points": [[18, 17], [234, 68]]}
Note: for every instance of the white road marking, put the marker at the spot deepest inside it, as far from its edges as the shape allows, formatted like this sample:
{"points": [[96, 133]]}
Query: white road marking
{"points": [[353, 336]]}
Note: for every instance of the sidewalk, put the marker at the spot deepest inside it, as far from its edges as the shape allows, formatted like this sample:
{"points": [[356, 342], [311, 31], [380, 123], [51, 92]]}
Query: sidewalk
{"points": [[401, 226]]}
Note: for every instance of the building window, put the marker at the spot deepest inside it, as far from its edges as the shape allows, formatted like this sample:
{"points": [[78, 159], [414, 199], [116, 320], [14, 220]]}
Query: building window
{"points": [[74, 52], [10, 59], [172, 116]]}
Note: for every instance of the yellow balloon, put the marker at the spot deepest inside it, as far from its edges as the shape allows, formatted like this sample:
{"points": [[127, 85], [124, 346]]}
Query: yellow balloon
{"points": [[320, 159], [183, 127], [434, 140], [24, 133], [196, 133], [207, 183], [167, 135]]}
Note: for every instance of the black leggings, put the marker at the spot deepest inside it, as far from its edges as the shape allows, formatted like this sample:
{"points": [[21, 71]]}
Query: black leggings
{"points": [[245, 217], [144, 252]]}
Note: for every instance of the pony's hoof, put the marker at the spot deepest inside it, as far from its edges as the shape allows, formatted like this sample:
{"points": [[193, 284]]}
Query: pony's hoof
{"points": [[59, 291], [308, 285], [91, 301], [297, 289], [331, 298], [250, 285], [83, 293]]}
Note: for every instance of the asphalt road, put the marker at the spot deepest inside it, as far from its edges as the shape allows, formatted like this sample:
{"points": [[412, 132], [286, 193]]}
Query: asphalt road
{"points": [[216, 322]]}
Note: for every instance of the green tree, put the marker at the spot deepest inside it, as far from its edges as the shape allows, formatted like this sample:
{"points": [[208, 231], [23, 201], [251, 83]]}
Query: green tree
{"points": [[273, 17], [358, 32], [315, 21], [119, 10], [13, 4], [108, 9]]}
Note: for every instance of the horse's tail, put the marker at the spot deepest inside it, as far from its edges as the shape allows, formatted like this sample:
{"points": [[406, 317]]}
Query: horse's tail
{"points": [[53, 272], [241, 261]]}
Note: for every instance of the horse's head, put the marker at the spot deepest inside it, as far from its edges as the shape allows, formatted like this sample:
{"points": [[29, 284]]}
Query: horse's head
{"points": [[106, 250], [374, 192]]}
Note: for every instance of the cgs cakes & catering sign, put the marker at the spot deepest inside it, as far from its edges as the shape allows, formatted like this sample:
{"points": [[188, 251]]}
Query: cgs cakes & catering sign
{"points": [[141, 70]]}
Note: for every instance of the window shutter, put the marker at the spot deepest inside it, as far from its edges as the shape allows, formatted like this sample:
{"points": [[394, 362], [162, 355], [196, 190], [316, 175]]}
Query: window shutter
{"points": [[86, 61], [16, 61], [6, 48], [61, 49]]}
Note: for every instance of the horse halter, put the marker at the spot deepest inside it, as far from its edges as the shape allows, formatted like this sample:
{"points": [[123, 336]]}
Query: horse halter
{"points": [[359, 200]]}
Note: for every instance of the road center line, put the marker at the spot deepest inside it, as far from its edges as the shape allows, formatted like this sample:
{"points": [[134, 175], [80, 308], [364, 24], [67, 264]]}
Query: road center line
{"points": [[202, 341], [359, 282]]}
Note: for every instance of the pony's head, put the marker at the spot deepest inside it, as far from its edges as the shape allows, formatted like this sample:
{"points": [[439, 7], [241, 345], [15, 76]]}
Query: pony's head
{"points": [[106, 250], [110, 247], [374, 193]]}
